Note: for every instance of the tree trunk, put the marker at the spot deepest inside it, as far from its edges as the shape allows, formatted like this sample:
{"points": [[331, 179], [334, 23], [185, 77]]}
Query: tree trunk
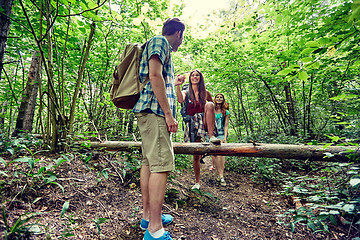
{"points": [[5, 5], [27, 107], [80, 78], [291, 110], [281, 151], [2, 114]]}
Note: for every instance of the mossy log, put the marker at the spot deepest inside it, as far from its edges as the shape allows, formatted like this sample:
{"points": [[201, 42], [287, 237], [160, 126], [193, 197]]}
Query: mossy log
{"points": [[281, 151]]}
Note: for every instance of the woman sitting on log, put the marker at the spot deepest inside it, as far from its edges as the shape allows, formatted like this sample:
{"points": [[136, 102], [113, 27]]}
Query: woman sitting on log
{"points": [[201, 116]]}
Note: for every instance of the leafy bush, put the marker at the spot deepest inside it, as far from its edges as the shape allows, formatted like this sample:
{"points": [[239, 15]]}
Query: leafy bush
{"points": [[330, 196]]}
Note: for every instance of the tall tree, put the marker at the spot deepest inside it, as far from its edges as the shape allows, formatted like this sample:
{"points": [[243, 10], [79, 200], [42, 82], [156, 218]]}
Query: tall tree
{"points": [[5, 11], [25, 117]]}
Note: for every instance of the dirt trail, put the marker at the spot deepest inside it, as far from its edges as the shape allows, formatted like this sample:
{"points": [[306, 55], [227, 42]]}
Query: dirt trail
{"points": [[241, 210]]}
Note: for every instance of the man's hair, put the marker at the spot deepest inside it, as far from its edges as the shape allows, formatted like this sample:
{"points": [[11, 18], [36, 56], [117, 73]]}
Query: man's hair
{"points": [[172, 25]]}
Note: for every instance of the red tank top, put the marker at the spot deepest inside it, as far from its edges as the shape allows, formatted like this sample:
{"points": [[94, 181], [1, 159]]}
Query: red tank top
{"points": [[194, 107]]}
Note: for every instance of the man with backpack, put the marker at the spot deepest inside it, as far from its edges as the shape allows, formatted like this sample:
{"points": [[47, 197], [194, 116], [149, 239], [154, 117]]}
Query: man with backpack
{"points": [[155, 113]]}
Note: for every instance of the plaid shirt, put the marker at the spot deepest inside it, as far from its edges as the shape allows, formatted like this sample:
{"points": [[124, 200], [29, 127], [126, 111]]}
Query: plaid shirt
{"points": [[199, 128], [157, 45]]}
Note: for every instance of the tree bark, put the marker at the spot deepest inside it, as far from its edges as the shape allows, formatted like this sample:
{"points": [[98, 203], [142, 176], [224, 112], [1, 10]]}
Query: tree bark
{"points": [[281, 151], [4, 28], [291, 109], [80, 78], [27, 107]]}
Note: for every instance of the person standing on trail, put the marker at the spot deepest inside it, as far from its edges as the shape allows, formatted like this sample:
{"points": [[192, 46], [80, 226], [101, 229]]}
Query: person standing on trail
{"points": [[201, 113], [155, 113], [222, 116]]}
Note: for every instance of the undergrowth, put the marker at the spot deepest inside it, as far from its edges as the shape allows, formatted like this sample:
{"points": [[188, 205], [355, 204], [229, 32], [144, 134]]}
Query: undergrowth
{"points": [[327, 193]]}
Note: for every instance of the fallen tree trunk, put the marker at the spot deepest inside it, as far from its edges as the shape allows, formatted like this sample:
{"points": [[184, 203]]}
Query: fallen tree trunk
{"points": [[281, 151]]}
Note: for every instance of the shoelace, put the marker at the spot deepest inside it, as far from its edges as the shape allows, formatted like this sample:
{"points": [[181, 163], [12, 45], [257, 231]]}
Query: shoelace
{"points": [[167, 235]]}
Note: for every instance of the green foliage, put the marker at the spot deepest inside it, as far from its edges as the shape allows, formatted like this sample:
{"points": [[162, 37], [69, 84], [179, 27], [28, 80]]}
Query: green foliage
{"points": [[330, 197], [262, 170], [33, 172], [22, 226], [183, 161], [15, 145], [98, 222]]}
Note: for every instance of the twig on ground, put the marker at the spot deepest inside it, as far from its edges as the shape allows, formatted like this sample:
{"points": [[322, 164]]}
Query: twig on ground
{"points": [[109, 160], [97, 201]]}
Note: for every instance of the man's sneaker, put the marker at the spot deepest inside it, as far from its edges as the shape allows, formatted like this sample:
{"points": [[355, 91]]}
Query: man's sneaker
{"points": [[222, 182], [165, 218], [196, 186], [165, 236], [218, 179], [215, 140]]}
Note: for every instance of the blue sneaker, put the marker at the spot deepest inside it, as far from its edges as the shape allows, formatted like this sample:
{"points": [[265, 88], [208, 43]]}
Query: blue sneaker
{"points": [[165, 236], [165, 218]]}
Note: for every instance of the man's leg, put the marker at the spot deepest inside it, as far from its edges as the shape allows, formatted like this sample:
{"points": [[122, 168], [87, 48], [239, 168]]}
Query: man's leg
{"points": [[144, 184], [156, 190]]}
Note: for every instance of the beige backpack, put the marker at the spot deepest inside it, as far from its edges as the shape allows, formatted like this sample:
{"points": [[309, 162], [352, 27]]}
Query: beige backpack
{"points": [[125, 85]]}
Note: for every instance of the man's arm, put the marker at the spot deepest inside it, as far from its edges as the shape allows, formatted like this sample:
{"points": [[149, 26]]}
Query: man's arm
{"points": [[159, 88]]}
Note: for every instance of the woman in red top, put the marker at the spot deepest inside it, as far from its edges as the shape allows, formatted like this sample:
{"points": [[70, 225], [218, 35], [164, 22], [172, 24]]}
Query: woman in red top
{"points": [[201, 108]]}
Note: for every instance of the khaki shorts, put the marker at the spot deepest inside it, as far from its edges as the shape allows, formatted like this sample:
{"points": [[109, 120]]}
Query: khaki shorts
{"points": [[157, 147]]}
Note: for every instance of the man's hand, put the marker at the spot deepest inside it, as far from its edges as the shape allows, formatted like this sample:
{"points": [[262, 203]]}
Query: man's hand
{"points": [[171, 123], [179, 79]]}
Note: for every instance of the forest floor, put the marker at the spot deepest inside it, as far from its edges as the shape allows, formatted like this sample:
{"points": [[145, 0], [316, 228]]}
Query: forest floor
{"points": [[241, 210]]}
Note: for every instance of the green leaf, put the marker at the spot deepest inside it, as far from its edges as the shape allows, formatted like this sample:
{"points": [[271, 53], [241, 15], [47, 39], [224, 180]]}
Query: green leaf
{"points": [[327, 145], [333, 220], [41, 170], [303, 76], [316, 65], [105, 174], [22, 159], [284, 72], [307, 51], [307, 59], [83, 6], [91, 4], [292, 227], [59, 161], [354, 182], [101, 220], [59, 185], [2, 161], [65, 208], [349, 208], [312, 44], [324, 41]]}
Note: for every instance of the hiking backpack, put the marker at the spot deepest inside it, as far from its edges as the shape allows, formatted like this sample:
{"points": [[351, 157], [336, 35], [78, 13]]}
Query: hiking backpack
{"points": [[125, 85], [183, 110]]}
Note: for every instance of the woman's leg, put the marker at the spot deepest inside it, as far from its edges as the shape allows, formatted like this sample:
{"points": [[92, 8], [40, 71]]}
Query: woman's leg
{"points": [[220, 165], [197, 166], [209, 118]]}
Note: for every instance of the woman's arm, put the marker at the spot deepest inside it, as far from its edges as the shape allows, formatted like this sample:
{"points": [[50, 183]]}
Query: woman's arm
{"points": [[180, 94], [226, 127]]}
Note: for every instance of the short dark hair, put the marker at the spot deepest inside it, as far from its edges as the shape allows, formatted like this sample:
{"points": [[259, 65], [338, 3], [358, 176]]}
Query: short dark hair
{"points": [[172, 25]]}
